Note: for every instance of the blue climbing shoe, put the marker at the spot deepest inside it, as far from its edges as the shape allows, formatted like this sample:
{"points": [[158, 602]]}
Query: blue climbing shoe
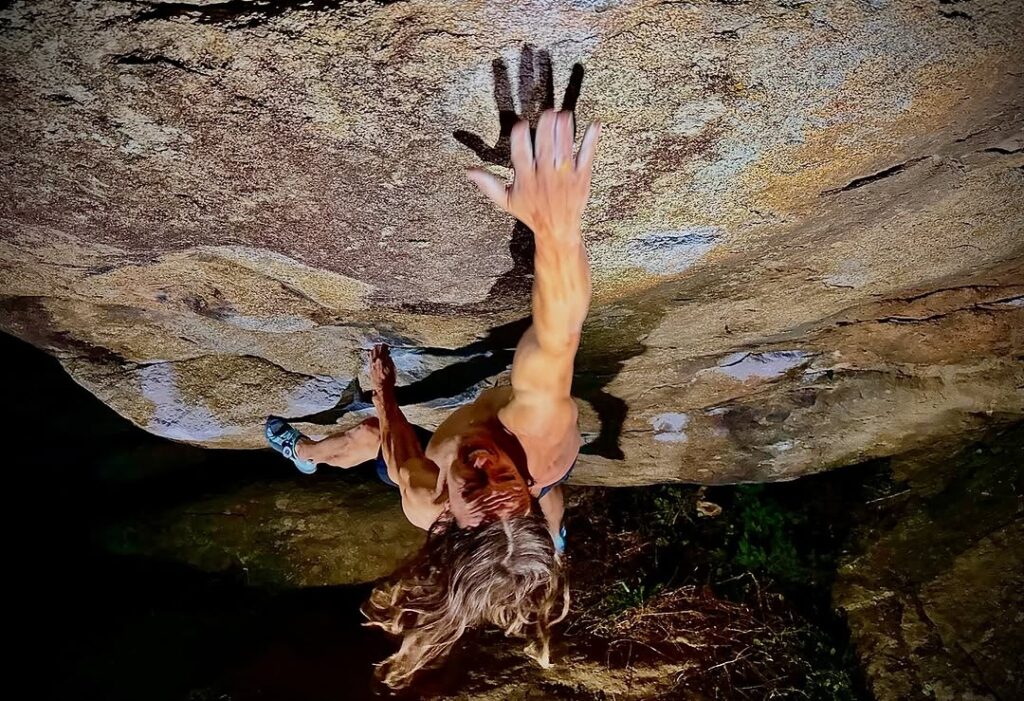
{"points": [[282, 437]]}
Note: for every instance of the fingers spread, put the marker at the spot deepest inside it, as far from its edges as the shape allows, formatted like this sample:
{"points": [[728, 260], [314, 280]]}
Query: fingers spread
{"points": [[502, 89], [546, 139], [493, 187], [585, 158], [563, 139], [522, 148]]}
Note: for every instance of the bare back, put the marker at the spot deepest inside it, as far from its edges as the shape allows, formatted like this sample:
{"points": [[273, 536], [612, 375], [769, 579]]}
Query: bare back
{"points": [[548, 456]]}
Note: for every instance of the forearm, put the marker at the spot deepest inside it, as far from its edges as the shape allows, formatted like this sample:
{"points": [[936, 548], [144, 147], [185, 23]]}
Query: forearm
{"points": [[398, 440], [552, 505], [408, 466], [561, 289]]}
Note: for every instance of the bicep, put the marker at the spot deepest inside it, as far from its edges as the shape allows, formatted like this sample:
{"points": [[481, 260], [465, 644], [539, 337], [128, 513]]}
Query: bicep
{"points": [[541, 405]]}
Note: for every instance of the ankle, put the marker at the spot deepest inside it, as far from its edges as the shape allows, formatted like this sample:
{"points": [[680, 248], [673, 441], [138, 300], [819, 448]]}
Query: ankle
{"points": [[304, 448]]}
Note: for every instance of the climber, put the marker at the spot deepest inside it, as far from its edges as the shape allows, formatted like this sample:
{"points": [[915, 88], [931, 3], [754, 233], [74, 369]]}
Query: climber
{"points": [[485, 485]]}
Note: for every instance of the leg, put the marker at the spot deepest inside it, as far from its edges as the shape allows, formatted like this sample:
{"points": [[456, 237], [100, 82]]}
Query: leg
{"points": [[347, 449]]}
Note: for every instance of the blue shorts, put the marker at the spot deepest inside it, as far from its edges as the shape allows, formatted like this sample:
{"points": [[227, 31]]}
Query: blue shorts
{"points": [[565, 477], [424, 435]]}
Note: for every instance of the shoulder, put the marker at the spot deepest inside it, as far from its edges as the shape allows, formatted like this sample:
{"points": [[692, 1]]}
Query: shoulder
{"points": [[486, 405], [418, 482], [549, 434], [421, 505], [540, 416]]}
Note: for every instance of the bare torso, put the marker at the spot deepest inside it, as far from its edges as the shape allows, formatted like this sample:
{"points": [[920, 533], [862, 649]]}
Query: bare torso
{"points": [[548, 456]]}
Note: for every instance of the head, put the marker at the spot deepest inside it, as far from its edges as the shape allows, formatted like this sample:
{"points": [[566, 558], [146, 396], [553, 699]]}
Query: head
{"points": [[488, 479], [503, 572]]}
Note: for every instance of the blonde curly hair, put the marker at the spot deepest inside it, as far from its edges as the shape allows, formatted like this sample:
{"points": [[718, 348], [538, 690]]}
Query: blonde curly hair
{"points": [[505, 572]]}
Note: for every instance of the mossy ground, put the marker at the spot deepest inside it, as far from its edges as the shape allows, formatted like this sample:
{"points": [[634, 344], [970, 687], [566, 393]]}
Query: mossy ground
{"points": [[732, 583]]}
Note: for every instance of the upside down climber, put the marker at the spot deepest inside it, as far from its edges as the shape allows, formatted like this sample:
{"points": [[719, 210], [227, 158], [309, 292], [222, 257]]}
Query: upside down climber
{"points": [[485, 485]]}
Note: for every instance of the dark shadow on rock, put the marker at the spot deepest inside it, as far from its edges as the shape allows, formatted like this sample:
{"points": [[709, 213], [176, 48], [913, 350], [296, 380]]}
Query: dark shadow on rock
{"points": [[142, 627], [536, 93], [599, 362], [483, 358], [611, 413], [611, 337]]}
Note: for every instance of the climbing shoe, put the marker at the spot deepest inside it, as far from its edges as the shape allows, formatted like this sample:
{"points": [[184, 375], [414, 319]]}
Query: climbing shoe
{"points": [[283, 438]]}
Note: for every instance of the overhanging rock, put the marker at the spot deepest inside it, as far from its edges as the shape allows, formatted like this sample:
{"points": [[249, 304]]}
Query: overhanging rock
{"points": [[805, 222]]}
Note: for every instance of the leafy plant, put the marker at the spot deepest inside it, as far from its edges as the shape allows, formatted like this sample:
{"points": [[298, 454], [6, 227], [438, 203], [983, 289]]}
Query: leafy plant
{"points": [[623, 597], [765, 537]]}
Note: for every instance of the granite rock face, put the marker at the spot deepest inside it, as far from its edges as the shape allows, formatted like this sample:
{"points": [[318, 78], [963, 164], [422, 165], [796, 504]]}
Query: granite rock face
{"points": [[935, 596], [280, 534], [805, 226]]}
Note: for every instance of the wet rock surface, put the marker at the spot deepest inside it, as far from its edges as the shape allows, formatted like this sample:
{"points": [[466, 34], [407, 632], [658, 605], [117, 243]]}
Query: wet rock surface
{"points": [[935, 601], [805, 223]]}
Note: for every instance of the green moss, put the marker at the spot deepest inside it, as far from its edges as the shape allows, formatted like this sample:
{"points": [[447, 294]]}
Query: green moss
{"points": [[773, 549]]}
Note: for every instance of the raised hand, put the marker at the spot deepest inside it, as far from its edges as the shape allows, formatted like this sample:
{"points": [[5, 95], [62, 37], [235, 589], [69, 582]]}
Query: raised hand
{"points": [[536, 92], [551, 185], [382, 369]]}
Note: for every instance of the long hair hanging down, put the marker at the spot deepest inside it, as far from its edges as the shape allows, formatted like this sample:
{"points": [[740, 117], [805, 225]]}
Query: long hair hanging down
{"points": [[505, 572]]}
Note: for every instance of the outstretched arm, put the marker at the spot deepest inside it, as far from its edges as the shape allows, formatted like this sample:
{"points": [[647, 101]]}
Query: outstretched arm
{"points": [[408, 466], [548, 194]]}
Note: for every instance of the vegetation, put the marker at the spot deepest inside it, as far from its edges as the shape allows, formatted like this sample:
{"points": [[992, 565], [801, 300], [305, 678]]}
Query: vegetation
{"points": [[739, 600]]}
